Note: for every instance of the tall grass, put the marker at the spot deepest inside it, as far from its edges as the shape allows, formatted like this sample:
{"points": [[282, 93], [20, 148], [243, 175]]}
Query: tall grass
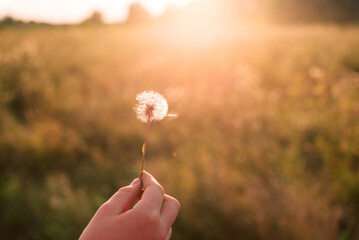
{"points": [[266, 146]]}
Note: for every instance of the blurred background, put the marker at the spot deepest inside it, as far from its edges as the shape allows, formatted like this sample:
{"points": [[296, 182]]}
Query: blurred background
{"points": [[266, 145]]}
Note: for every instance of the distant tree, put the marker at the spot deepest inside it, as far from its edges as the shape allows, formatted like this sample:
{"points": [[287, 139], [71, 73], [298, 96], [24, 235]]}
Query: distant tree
{"points": [[96, 18], [313, 10], [9, 21], [137, 14], [276, 10]]}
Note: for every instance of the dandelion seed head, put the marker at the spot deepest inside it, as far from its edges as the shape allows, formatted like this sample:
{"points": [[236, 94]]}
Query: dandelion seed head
{"points": [[151, 105]]}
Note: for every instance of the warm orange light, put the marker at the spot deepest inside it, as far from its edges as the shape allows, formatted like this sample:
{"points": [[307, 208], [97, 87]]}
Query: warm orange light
{"points": [[156, 7], [67, 11]]}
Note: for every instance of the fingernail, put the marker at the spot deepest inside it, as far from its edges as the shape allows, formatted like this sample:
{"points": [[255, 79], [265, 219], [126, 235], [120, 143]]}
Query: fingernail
{"points": [[135, 182]]}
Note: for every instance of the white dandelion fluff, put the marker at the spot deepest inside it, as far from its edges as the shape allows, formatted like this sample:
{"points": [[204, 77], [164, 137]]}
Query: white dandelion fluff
{"points": [[151, 106]]}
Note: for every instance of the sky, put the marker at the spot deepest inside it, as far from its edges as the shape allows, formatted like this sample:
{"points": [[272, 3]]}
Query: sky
{"points": [[73, 11]]}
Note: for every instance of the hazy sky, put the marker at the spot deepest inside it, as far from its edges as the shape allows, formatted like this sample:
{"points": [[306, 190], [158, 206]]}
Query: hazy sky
{"points": [[69, 11]]}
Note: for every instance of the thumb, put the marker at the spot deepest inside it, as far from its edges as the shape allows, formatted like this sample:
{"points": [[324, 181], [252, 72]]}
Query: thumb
{"points": [[123, 199]]}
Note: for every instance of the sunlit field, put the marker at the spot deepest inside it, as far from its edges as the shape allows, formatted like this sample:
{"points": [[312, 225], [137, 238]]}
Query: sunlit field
{"points": [[266, 145]]}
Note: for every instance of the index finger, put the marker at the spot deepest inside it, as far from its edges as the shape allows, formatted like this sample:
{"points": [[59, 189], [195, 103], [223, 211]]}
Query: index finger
{"points": [[153, 193]]}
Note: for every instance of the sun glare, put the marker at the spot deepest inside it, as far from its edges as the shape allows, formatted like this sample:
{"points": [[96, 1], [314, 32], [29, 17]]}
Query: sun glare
{"points": [[68, 11], [156, 7]]}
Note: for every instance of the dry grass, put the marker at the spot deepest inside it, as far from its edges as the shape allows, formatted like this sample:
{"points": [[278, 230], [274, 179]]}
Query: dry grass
{"points": [[266, 146]]}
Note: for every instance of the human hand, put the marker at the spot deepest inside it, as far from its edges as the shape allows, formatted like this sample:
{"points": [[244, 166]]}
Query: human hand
{"points": [[151, 218]]}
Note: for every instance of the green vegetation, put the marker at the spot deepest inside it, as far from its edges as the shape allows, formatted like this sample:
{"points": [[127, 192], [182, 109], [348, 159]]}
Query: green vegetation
{"points": [[266, 145]]}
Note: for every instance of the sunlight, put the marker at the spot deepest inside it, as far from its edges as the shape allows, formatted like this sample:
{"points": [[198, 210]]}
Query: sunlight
{"points": [[156, 7], [203, 22], [68, 11], [5, 3]]}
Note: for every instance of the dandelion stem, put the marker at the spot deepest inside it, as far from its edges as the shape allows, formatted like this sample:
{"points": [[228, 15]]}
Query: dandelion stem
{"points": [[145, 146]]}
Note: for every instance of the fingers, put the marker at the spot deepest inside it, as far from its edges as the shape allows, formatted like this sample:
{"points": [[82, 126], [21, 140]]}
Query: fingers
{"points": [[153, 193], [169, 233], [123, 199], [160, 208], [169, 211]]}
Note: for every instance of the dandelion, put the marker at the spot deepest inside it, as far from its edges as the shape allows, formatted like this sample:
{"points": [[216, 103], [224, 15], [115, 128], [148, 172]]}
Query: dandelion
{"points": [[151, 106]]}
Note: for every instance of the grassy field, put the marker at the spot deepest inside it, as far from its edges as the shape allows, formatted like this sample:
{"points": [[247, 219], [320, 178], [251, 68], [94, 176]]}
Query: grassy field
{"points": [[266, 145]]}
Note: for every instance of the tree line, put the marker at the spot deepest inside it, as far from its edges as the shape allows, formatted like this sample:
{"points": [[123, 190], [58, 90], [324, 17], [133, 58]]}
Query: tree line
{"points": [[290, 11]]}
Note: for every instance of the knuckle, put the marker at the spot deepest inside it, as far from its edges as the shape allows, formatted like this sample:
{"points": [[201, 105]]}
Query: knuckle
{"points": [[157, 188], [177, 204], [151, 218], [125, 189], [174, 202], [106, 207], [160, 189]]}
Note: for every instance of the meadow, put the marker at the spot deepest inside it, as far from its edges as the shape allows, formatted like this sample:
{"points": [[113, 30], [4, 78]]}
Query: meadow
{"points": [[266, 145]]}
